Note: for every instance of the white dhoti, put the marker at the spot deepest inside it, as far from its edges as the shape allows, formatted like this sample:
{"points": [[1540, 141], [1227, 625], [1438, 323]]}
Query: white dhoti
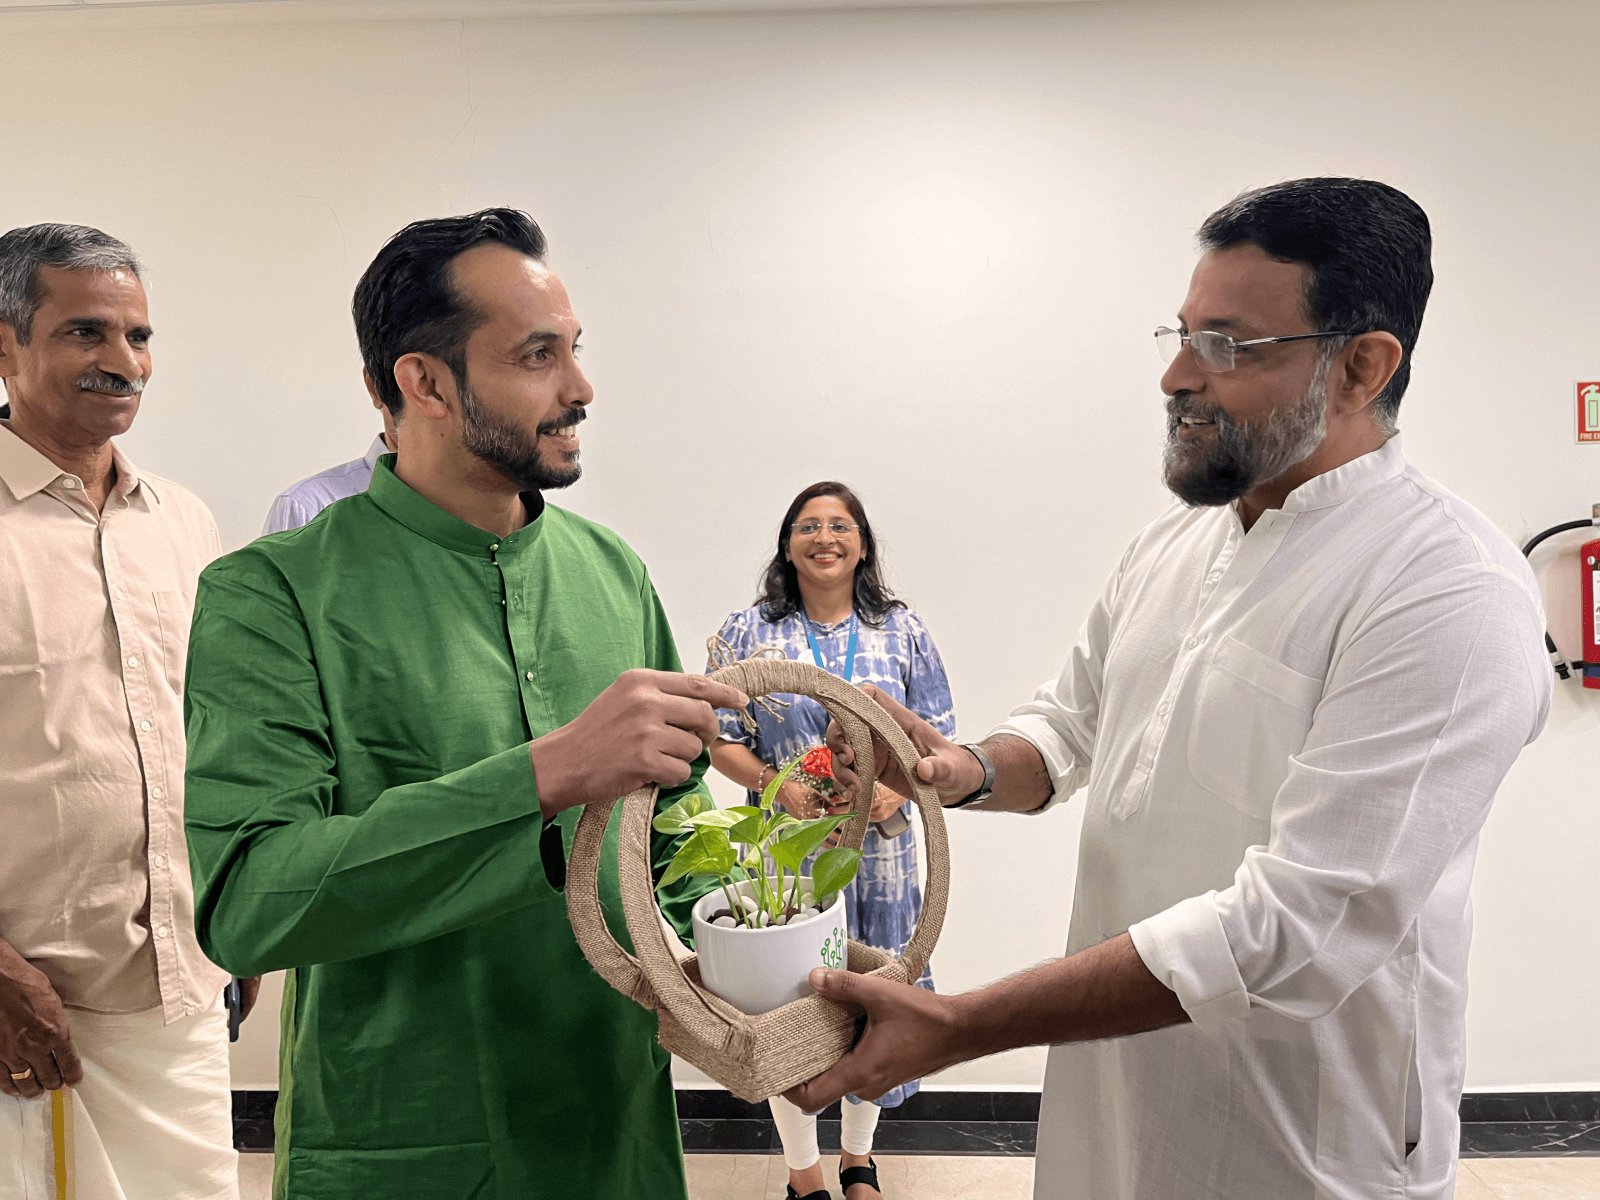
{"points": [[152, 1119]]}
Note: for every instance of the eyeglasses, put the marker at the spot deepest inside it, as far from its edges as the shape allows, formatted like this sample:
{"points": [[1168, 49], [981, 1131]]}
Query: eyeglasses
{"points": [[1217, 351], [812, 528]]}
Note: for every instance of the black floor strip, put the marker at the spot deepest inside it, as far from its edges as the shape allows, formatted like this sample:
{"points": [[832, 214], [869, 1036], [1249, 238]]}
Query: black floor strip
{"points": [[1493, 1125]]}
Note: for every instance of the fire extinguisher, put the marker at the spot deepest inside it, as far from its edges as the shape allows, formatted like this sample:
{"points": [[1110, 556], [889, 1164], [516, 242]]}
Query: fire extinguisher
{"points": [[1588, 667]]}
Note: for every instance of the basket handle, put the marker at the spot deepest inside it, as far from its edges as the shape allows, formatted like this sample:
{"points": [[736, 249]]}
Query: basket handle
{"points": [[655, 978]]}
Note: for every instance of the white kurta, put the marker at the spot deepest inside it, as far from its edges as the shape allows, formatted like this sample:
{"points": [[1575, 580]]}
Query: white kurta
{"points": [[1291, 738]]}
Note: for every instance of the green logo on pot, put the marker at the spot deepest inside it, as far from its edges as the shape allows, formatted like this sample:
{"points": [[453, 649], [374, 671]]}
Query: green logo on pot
{"points": [[833, 950]]}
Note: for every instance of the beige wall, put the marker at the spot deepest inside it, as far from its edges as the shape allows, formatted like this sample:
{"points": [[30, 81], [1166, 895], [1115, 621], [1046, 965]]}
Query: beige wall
{"points": [[920, 251]]}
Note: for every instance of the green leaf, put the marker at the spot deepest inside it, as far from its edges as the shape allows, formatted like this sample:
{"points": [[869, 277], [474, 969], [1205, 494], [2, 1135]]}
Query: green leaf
{"points": [[802, 841], [747, 831], [705, 853], [780, 821], [771, 793], [676, 818], [832, 871], [717, 818]]}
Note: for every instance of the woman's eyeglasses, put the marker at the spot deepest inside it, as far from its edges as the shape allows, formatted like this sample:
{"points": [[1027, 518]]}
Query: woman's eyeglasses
{"points": [[812, 528]]}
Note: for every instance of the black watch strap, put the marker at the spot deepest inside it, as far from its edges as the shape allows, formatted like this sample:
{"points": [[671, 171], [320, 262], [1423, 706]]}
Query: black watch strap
{"points": [[985, 789]]}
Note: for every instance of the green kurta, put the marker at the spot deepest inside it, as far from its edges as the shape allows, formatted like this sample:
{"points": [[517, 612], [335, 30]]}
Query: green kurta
{"points": [[361, 809]]}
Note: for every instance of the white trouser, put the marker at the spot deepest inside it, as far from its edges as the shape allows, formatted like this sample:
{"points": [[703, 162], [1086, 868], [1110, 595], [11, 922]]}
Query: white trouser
{"points": [[152, 1119], [798, 1132]]}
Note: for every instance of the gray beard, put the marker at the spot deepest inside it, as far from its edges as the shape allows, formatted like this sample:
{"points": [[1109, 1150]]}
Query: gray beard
{"points": [[508, 449], [1242, 455]]}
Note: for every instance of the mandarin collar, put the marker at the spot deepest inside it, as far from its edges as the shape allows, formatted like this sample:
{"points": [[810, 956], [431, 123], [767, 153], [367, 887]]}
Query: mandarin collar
{"points": [[1349, 481], [422, 516], [25, 471]]}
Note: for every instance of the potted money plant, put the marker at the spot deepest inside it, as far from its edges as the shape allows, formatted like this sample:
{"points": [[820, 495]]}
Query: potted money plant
{"points": [[764, 927]]}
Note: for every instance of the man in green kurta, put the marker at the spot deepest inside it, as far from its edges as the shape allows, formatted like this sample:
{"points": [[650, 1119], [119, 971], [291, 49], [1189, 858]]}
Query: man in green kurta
{"points": [[393, 713]]}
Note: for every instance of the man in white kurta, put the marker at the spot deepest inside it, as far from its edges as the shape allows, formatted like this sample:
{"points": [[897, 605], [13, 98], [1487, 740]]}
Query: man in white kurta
{"points": [[1290, 738], [1288, 713]]}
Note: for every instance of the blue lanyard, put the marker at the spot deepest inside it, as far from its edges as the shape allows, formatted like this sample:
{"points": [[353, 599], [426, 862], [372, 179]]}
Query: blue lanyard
{"points": [[850, 655]]}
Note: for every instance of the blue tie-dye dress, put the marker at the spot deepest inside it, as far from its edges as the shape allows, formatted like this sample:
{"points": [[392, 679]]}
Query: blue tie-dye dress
{"points": [[882, 903]]}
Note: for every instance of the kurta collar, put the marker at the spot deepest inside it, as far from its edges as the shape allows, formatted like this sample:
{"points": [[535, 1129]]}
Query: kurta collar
{"points": [[25, 471], [1346, 482], [422, 516]]}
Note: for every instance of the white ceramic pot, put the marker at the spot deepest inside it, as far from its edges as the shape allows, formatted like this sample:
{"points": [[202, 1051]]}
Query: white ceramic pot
{"points": [[758, 970]]}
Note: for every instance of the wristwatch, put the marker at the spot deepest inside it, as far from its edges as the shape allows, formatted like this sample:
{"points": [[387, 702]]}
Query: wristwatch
{"points": [[986, 788]]}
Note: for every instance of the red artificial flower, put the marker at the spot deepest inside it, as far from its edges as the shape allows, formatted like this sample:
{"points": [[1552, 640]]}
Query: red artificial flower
{"points": [[818, 763]]}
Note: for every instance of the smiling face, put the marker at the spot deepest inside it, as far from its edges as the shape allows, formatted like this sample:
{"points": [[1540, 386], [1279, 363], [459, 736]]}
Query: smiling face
{"points": [[1232, 431], [525, 392], [80, 376], [827, 559]]}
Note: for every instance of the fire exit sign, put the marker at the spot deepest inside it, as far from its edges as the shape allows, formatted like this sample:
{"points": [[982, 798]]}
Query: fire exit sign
{"points": [[1589, 411]]}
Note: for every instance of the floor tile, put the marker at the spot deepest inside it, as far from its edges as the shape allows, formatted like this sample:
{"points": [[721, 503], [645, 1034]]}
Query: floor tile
{"points": [[1470, 1187], [1539, 1178], [255, 1177], [727, 1176]]}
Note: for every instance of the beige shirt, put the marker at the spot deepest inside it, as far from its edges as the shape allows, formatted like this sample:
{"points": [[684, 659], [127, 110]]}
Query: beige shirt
{"points": [[94, 870]]}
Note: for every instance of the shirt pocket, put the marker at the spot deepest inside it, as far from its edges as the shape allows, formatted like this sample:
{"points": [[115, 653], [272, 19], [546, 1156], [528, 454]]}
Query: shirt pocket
{"points": [[174, 613], [1252, 713]]}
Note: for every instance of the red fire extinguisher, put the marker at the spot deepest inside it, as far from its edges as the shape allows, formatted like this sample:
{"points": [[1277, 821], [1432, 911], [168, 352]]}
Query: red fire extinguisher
{"points": [[1589, 565], [1587, 667]]}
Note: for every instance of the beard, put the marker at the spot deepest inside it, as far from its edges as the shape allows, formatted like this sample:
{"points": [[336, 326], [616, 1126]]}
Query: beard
{"points": [[508, 449], [1243, 454]]}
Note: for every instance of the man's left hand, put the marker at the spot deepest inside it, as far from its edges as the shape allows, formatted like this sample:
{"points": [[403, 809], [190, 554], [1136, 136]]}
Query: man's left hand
{"points": [[911, 1032]]}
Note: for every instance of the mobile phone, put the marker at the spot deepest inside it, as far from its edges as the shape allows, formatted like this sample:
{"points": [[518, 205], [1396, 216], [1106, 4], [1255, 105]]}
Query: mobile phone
{"points": [[894, 824]]}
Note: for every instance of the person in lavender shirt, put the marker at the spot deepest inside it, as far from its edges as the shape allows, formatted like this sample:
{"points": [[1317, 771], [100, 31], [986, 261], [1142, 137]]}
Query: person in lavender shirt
{"points": [[299, 502], [823, 600]]}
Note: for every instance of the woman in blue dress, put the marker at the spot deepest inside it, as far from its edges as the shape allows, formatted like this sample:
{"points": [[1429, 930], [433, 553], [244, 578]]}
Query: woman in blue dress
{"points": [[823, 600]]}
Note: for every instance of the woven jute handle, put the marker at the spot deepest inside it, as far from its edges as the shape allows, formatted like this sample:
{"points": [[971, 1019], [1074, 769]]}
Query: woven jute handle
{"points": [[655, 978]]}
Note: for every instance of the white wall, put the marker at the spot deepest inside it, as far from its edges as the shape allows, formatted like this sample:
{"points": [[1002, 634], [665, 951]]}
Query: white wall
{"points": [[919, 251]]}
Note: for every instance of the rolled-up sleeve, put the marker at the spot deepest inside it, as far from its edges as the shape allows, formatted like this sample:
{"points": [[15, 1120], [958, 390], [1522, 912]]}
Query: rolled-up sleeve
{"points": [[735, 632], [1425, 708]]}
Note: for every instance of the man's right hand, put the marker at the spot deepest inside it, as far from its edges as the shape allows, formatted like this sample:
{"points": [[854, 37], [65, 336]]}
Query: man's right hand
{"points": [[33, 1031], [647, 727], [953, 770]]}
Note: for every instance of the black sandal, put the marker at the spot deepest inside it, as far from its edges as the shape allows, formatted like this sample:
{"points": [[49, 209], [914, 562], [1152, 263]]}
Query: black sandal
{"points": [[854, 1175], [791, 1194]]}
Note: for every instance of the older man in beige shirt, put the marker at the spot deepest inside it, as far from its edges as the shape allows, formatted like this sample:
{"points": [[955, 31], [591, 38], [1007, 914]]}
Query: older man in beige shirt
{"points": [[102, 985]]}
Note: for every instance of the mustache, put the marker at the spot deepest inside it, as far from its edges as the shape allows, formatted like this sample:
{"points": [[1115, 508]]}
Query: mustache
{"points": [[116, 385], [574, 416], [1184, 404]]}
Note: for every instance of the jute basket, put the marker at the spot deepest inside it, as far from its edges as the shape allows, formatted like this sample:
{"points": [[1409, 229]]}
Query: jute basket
{"points": [[761, 1056]]}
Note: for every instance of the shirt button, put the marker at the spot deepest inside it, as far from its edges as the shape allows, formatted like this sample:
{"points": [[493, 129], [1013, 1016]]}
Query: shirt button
{"points": [[133, 660], [1213, 577], [1163, 709], [159, 860], [156, 793], [1192, 641], [529, 676], [69, 483], [145, 725], [162, 931], [496, 546]]}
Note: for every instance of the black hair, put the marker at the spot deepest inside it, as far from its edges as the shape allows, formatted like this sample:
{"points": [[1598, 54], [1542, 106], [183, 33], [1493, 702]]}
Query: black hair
{"points": [[1366, 248], [405, 303], [778, 590]]}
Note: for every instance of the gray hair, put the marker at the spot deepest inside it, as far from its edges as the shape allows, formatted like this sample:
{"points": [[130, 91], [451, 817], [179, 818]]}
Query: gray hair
{"points": [[1385, 409], [71, 247]]}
